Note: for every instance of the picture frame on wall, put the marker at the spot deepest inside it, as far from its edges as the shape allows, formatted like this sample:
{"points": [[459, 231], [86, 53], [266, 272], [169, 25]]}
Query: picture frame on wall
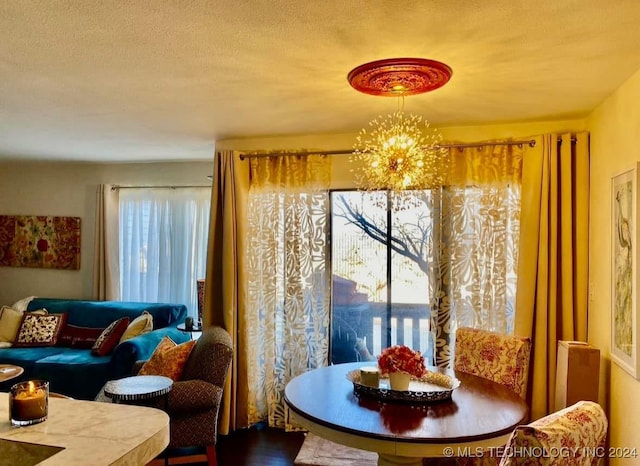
{"points": [[625, 322]]}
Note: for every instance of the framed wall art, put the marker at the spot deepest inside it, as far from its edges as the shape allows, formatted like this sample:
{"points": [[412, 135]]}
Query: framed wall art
{"points": [[40, 241], [624, 278]]}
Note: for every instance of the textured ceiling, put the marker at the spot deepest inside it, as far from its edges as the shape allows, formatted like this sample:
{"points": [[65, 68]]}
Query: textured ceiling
{"points": [[115, 80]]}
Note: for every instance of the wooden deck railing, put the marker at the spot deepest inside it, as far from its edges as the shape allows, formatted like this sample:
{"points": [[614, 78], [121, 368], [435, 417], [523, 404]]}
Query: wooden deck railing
{"points": [[408, 324]]}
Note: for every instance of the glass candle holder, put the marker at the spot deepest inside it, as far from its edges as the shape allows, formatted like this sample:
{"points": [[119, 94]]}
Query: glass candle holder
{"points": [[188, 323], [29, 402]]}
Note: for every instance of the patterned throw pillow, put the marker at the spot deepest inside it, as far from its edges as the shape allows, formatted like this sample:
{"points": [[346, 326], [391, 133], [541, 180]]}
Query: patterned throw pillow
{"points": [[73, 336], [168, 359], [39, 330], [110, 337], [10, 320], [141, 324]]}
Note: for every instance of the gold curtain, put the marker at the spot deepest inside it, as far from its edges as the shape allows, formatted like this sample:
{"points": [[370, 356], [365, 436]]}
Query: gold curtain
{"points": [[225, 283], [106, 260], [475, 237], [287, 311], [493, 165], [553, 264]]}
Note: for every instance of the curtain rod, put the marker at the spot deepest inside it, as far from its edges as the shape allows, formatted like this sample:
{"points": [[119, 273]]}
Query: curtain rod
{"points": [[530, 142], [116, 187]]}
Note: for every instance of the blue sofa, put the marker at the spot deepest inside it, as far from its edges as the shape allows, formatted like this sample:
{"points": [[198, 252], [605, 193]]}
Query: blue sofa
{"points": [[76, 372]]}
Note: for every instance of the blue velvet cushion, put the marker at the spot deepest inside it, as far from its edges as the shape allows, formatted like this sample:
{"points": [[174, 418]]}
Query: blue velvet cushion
{"points": [[76, 373], [102, 313], [27, 357], [72, 372]]}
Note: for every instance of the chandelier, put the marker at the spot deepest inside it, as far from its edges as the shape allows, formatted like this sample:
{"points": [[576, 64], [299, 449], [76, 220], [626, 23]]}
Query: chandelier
{"points": [[400, 152]]}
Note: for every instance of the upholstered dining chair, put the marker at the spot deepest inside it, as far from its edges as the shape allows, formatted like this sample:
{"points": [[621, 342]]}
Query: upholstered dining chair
{"points": [[498, 357], [194, 401], [494, 356], [573, 436]]}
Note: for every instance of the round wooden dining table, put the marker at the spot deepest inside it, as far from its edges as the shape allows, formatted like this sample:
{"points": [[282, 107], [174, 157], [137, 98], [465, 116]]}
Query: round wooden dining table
{"points": [[478, 418]]}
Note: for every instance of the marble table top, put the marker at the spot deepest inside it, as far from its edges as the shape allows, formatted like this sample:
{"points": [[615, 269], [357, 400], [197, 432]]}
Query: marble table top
{"points": [[85, 432]]}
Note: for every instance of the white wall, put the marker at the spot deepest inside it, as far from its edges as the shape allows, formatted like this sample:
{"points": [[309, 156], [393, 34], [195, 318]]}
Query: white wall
{"points": [[69, 189], [615, 147]]}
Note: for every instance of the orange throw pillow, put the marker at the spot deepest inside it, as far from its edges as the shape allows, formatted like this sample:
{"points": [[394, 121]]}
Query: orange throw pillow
{"points": [[168, 359]]}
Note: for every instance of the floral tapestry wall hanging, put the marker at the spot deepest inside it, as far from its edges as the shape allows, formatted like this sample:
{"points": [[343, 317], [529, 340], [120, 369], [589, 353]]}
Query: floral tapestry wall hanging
{"points": [[40, 241]]}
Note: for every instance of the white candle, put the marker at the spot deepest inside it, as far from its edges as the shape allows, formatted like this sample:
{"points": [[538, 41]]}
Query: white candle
{"points": [[369, 376]]}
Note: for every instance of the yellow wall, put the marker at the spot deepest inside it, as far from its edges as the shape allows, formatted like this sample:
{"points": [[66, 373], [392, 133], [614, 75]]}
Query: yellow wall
{"points": [[615, 147]]}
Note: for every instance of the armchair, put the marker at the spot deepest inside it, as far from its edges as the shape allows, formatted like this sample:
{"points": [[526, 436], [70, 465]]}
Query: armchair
{"points": [[575, 435], [194, 401]]}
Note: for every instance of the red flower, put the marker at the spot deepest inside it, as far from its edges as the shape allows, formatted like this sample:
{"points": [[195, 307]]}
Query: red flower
{"points": [[401, 358]]}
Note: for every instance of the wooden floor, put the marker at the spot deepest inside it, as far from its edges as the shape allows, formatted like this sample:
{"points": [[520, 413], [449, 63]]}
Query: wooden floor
{"points": [[257, 446]]}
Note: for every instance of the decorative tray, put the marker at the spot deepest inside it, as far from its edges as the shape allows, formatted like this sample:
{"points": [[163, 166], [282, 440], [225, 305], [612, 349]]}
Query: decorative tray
{"points": [[434, 386]]}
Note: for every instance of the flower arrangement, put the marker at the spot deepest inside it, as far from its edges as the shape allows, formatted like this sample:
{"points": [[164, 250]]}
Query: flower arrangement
{"points": [[401, 358]]}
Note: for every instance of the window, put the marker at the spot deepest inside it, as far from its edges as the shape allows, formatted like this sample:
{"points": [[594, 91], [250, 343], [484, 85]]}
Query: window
{"points": [[380, 286], [163, 244], [404, 273]]}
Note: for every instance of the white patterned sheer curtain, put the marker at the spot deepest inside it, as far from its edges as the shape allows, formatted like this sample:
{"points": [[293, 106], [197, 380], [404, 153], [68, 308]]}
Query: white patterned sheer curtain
{"points": [[163, 244], [473, 268], [287, 315]]}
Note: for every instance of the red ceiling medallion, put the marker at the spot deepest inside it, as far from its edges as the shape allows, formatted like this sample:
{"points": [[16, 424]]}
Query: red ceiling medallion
{"points": [[399, 76]]}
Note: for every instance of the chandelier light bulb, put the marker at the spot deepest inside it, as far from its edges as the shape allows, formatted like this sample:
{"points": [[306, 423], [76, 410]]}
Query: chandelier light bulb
{"points": [[400, 152]]}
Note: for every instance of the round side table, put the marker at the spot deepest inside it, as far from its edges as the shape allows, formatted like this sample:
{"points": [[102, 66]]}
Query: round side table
{"points": [[138, 387], [9, 371], [191, 330]]}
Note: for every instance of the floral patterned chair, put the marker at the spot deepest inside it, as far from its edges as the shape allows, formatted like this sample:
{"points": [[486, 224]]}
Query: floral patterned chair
{"points": [[575, 436], [494, 356], [498, 357]]}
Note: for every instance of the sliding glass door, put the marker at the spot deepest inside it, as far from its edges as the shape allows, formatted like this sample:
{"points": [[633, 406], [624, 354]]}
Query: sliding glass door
{"points": [[379, 266]]}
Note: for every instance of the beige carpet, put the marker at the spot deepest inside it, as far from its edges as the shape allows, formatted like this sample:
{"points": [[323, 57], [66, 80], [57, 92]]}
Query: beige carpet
{"points": [[317, 451]]}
